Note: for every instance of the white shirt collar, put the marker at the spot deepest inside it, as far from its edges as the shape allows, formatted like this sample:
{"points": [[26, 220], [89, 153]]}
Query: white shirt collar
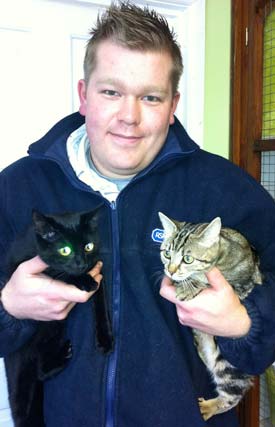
{"points": [[78, 150]]}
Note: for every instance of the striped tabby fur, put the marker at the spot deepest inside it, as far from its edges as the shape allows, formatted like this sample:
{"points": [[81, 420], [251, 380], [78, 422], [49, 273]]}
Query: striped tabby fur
{"points": [[188, 251]]}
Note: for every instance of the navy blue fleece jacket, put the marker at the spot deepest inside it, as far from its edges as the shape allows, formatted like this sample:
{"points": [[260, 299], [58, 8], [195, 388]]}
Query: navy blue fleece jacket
{"points": [[154, 376]]}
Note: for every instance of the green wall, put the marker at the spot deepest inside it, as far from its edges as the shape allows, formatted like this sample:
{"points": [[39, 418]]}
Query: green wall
{"points": [[217, 77]]}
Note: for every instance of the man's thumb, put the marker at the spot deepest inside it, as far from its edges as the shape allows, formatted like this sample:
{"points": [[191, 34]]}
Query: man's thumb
{"points": [[34, 265]]}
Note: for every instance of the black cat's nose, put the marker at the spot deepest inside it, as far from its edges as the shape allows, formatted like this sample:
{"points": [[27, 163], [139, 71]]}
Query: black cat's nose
{"points": [[78, 261]]}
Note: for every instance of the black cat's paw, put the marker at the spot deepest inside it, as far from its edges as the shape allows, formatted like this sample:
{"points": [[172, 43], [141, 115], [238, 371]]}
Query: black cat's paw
{"points": [[87, 283], [53, 362], [104, 338], [68, 350], [105, 344]]}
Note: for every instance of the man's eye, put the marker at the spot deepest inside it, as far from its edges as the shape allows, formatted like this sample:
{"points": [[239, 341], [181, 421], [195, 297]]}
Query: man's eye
{"points": [[151, 98], [110, 92]]}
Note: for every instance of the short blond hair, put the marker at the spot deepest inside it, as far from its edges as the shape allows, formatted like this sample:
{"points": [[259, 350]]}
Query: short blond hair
{"points": [[135, 28]]}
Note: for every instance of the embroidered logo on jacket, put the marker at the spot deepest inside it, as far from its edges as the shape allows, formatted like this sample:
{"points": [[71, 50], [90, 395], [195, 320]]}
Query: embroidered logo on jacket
{"points": [[157, 235]]}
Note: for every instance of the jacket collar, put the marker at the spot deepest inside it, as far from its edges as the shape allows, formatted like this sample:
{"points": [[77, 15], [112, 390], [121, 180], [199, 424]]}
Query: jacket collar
{"points": [[52, 146]]}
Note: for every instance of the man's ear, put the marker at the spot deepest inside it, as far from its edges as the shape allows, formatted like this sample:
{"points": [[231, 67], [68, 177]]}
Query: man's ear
{"points": [[81, 87]]}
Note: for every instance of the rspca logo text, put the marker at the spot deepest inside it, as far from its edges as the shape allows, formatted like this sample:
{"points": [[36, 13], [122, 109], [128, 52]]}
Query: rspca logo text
{"points": [[157, 235]]}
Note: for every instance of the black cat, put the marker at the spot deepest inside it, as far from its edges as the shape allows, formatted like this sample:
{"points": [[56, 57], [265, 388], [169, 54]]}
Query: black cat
{"points": [[68, 243]]}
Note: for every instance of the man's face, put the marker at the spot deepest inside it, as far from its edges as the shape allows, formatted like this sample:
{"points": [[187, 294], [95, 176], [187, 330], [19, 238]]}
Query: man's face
{"points": [[128, 105]]}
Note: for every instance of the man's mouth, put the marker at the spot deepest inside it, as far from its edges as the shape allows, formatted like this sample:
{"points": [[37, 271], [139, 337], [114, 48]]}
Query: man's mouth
{"points": [[125, 139]]}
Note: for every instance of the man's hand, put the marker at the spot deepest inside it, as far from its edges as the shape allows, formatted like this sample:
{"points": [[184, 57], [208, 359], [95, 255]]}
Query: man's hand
{"points": [[30, 294], [216, 310]]}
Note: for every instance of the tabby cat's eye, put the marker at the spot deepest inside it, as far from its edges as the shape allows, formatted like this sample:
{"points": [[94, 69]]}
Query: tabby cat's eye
{"points": [[188, 259], [65, 251], [89, 247], [167, 254]]}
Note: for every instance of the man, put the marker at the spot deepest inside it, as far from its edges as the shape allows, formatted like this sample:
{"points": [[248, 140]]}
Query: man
{"points": [[135, 157]]}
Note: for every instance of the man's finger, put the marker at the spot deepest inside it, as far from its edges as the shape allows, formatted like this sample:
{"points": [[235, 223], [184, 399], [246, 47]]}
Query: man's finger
{"points": [[96, 269], [168, 290], [216, 279], [74, 294], [58, 290], [34, 265]]}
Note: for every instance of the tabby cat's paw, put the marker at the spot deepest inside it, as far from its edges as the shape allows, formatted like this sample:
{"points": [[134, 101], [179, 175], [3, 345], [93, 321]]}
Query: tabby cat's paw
{"points": [[208, 407]]}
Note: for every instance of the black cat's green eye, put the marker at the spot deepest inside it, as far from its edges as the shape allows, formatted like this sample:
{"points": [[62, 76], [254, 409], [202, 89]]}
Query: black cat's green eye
{"points": [[66, 251], [89, 247], [188, 259]]}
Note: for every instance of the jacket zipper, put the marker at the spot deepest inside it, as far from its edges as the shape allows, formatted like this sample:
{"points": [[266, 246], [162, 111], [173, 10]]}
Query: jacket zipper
{"points": [[112, 362]]}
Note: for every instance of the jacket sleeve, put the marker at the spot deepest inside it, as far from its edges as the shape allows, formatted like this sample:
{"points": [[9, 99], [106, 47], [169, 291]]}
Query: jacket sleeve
{"points": [[13, 332], [254, 352]]}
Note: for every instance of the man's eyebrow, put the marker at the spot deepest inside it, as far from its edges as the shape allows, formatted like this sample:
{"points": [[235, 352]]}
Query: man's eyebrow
{"points": [[144, 89]]}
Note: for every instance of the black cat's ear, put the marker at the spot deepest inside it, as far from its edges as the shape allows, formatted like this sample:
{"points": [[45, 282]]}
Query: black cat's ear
{"points": [[42, 226], [92, 217], [37, 217]]}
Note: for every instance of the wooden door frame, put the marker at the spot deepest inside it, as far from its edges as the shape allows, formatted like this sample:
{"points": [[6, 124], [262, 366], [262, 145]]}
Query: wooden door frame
{"points": [[246, 123], [246, 84]]}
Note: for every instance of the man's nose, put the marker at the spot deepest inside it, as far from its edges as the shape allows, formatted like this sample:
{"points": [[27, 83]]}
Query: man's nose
{"points": [[129, 111]]}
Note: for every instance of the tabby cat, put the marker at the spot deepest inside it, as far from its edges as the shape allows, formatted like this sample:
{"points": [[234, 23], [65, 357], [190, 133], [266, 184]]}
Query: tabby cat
{"points": [[68, 243], [188, 251]]}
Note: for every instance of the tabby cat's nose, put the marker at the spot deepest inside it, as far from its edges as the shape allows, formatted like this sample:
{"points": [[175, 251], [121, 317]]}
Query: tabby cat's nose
{"points": [[172, 268]]}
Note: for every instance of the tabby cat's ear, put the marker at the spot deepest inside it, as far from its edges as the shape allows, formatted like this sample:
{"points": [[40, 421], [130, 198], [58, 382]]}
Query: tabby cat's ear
{"points": [[168, 225], [211, 233]]}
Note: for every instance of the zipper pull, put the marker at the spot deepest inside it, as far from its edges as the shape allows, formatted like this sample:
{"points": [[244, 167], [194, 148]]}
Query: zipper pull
{"points": [[113, 205]]}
